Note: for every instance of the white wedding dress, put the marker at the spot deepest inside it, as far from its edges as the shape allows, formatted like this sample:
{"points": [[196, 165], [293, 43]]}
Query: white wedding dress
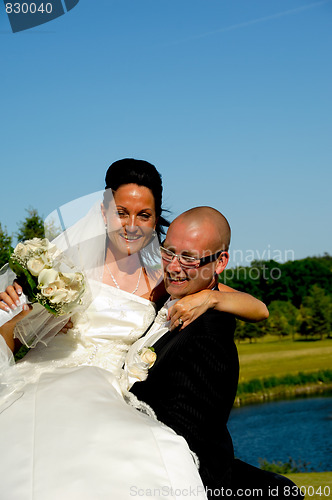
{"points": [[66, 431]]}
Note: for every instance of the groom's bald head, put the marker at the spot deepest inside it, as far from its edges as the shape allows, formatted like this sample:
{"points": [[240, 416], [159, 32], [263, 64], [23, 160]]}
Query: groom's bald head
{"points": [[209, 221]]}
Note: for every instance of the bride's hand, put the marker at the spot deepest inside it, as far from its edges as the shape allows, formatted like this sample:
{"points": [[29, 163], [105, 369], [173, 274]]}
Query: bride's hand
{"points": [[10, 298], [189, 308]]}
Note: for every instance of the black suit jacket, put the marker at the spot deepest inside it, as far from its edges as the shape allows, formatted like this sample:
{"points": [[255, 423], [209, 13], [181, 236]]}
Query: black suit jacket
{"points": [[192, 387]]}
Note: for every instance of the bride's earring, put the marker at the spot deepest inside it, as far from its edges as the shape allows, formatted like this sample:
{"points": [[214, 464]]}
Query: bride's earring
{"points": [[152, 236]]}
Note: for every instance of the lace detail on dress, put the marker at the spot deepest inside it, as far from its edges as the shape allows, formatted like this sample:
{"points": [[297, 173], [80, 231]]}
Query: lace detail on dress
{"points": [[132, 400], [195, 458]]}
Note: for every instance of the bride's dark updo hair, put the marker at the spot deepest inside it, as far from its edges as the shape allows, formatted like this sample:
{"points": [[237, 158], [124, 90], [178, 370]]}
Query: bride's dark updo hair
{"points": [[142, 173]]}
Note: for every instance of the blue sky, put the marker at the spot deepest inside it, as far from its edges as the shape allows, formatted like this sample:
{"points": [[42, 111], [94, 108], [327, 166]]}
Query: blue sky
{"points": [[230, 99]]}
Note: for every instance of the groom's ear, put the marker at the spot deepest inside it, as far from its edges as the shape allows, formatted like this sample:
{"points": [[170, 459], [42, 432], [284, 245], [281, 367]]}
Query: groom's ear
{"points": [[222, 262]]}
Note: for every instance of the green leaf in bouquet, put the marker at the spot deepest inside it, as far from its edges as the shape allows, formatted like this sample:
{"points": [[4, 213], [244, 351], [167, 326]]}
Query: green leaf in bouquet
{"points": [[25, 279]]}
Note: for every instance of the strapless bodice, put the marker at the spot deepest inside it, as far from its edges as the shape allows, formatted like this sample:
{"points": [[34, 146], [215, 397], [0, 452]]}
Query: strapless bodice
{"points": [[101, 336], [115, 315]]}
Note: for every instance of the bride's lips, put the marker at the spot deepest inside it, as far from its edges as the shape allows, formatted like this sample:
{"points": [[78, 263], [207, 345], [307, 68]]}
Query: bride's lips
{"points": [[130, 238]]}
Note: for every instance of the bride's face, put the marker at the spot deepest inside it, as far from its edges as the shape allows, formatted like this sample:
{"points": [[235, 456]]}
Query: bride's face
{"points": [[130, 218]]}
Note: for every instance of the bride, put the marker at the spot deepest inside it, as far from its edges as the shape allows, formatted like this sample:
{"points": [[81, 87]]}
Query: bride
{"points": [[67, 431]]}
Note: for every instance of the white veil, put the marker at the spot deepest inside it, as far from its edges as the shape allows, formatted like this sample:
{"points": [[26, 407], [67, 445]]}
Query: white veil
{"points": [[78, 229]]}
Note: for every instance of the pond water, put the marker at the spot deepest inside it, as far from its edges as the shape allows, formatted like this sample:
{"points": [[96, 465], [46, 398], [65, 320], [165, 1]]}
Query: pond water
{"points": [[278, 430]]}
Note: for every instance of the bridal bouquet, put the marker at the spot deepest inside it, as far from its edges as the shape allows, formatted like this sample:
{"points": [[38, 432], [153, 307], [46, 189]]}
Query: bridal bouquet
{"points": [[47, 277]]}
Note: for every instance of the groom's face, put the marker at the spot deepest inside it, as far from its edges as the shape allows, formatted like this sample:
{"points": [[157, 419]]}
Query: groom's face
{"points": [[192, 240]]}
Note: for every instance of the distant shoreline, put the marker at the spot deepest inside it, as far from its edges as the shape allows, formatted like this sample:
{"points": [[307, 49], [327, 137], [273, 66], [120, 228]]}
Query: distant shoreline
{"points": [[282, 392]]}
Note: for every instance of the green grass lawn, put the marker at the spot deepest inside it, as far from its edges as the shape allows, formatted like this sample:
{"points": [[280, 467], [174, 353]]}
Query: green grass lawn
{"points": [[269, 357], [316, 485]]}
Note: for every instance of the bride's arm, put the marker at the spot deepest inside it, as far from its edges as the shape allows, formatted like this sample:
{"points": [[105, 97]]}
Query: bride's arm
{"points": [[242, 305], [8, 300]]}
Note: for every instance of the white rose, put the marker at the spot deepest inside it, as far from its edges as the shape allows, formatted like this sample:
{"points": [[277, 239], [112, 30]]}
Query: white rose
{"points": [[35, 266], [46, 277], [38, 246], [21, 250], [148, 356], [35, 244], [49, 291], [71, 296]]}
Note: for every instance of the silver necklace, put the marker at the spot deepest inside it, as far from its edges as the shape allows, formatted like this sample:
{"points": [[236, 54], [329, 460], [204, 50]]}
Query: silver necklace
{"points": [[117, 284]]}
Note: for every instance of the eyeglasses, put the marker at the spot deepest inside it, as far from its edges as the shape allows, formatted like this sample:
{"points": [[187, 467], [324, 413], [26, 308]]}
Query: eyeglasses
{"points": [[187, 261]]}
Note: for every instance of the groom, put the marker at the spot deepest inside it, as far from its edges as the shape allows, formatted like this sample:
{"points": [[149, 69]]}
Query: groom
{"points": [[192, 385]]}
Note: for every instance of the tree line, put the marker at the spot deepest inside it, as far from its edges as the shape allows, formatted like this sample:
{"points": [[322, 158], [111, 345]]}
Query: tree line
{"points": [[298, 293]]}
